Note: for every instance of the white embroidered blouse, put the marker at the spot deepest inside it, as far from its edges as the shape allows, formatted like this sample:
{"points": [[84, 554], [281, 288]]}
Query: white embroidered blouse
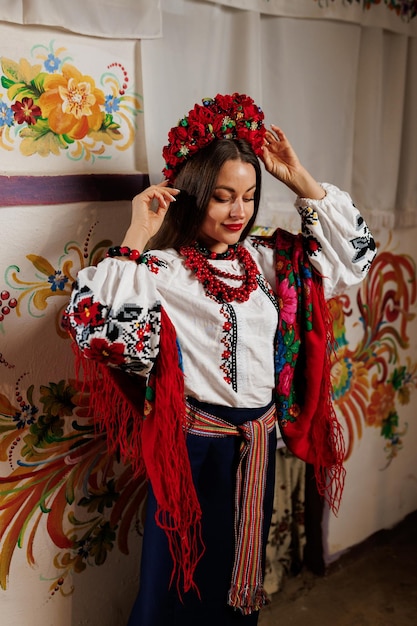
{"points": [[227, 348]]}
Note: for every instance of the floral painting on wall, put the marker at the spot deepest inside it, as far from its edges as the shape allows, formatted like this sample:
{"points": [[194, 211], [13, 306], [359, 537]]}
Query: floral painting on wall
{"points": [[63, 109]]}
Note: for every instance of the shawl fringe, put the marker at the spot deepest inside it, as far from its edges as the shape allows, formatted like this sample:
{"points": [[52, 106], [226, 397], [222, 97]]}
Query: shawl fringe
{"points": [[144, 424]]}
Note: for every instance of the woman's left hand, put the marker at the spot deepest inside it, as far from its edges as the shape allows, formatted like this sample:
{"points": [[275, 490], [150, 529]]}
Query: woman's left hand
{"points": [[281, 161], [279, 156]]}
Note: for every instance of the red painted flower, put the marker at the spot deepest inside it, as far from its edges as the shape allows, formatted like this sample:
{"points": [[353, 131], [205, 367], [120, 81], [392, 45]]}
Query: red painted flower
{"points": [[104, 352], [26, 111]]}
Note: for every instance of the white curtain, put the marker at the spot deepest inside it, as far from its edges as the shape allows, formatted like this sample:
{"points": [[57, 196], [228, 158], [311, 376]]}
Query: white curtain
{"points": [[344, 93], [384, 13], [130, 19]]}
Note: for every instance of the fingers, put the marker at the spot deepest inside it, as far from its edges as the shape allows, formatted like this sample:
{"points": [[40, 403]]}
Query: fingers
{"points": [[157, 196], [162, 198], [163, 193], [275, 135]]}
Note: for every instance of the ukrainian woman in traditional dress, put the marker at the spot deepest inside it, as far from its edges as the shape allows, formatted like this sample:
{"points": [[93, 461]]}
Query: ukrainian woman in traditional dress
{"points": [[203, 340]]}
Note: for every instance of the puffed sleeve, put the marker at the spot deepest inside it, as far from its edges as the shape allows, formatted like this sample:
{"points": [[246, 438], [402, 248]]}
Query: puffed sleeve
{"points": [[114, 315], [338, 241]]}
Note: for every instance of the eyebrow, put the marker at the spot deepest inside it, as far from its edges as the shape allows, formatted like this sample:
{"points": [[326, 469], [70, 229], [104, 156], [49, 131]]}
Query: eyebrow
{"points": [[226, 188]]}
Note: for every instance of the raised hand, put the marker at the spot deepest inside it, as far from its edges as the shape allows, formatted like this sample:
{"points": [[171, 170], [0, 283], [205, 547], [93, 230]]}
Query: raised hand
{"points": [[281, 161], [279, 157], [148, 212]]}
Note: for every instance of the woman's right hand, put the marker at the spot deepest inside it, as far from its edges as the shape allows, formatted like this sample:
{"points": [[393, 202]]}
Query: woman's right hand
{"points": [[148, 212]]}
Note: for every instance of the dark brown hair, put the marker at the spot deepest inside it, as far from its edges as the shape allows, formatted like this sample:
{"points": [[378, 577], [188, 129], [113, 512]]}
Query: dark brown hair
{"points": [[197, 181]]}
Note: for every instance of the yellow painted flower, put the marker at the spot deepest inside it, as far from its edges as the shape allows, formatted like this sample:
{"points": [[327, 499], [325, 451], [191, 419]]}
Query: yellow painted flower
{"points": [[72, 103], [381, 405]]}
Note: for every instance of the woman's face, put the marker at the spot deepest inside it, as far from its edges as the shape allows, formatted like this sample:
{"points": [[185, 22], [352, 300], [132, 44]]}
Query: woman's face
{"points": [[231, 206]]}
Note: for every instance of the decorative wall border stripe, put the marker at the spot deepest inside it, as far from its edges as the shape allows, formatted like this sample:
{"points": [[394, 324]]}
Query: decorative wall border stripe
{"points": [[43, 190]]}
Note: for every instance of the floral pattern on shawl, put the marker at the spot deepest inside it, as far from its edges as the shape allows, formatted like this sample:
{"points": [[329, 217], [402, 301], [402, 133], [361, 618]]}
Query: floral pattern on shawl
{"points": [[290, 286], [306, 416]]}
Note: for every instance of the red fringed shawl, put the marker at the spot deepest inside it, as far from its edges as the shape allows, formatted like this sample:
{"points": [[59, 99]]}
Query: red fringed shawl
{"points": [[146, 424]]}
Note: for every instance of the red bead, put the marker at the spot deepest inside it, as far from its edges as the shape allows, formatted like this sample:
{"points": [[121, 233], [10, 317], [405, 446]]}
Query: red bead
{"points": [[124, 251], [134, 254]]}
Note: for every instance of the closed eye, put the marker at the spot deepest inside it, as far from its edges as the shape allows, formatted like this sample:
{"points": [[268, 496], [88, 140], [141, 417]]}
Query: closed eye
{"points": [[230, 199], [223, 200]]}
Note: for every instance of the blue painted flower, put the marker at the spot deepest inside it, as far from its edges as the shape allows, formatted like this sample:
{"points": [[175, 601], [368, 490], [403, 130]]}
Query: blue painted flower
{"points": [[26, 416], [52, 63], [57, 281], [6, 115], [111, 104]]}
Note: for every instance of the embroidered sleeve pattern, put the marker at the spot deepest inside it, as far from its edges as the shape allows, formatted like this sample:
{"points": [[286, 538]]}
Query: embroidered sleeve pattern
{"points": [[263, 241], [309, 219], [126, 337], [337, 239], [152, 262], [364, 244]]}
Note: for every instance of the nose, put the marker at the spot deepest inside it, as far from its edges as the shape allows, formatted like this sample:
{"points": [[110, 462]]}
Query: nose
{"points": [[237, 210]]}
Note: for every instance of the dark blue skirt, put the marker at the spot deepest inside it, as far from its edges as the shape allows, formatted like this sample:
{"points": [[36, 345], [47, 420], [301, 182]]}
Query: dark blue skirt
{"points": [[214, 463]]}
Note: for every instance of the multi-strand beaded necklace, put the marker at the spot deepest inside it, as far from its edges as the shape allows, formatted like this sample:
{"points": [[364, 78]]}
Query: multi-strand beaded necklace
{"points": [[197, 259]]}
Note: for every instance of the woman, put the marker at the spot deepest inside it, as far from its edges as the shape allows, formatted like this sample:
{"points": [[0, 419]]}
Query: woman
{"points": [[230, 334]]}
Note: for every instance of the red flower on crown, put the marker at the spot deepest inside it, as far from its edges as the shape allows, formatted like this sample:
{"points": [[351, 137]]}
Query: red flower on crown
{"points": [[233, 116]]}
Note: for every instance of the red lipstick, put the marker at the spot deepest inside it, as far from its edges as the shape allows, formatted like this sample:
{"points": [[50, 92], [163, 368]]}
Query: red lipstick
{"points": [[233, 227]]}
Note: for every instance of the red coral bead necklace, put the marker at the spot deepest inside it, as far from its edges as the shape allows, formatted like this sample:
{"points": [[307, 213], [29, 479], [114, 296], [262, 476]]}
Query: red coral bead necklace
{"points": [[197, 259]]}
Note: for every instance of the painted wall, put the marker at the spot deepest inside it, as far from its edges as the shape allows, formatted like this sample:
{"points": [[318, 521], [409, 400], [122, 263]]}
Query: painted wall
{"points": [[375, 379]]}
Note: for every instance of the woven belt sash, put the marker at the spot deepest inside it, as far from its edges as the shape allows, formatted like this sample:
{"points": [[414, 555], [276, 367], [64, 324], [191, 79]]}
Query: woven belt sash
{"points": [[246, 592]]}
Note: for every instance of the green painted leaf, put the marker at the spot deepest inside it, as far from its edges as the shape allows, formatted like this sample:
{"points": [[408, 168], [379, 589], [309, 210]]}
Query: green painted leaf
{"points": [[6, 82]]}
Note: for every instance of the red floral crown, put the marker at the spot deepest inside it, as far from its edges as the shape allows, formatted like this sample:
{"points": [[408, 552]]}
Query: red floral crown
{"points": [[226, 117]]}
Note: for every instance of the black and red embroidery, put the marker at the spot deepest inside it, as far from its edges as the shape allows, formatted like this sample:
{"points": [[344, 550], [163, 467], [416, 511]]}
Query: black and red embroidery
{"points": [[310, 219], [127, 337], [152, 262], [229, 341]]}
